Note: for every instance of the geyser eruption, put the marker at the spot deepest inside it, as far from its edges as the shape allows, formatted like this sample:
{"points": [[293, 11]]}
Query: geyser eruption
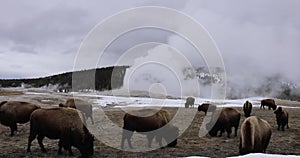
{"points": [[160, 71]]}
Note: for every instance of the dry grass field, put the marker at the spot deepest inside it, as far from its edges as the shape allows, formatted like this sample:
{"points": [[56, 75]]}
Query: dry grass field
{"points": [[189, 143]]}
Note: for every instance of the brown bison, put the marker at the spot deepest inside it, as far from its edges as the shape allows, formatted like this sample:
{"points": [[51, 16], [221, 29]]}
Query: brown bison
{"points": [[247, 108], [270, 103], [189, 102], [156, 125], [255, 135], [13, 112], [207, 107], [83, 106], [63, 124], [282, 118], [227, 119]]}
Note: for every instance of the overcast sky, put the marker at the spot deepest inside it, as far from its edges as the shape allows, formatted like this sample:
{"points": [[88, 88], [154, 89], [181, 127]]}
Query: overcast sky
{"points": [[41, 38]]}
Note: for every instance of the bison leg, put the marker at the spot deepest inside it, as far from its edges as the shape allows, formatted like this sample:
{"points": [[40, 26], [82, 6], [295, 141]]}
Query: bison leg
{"points": [[30, 139], [13, 127], [221, 132], [150, 138], [282, 127], [92, 119], [228, 130], [59, 152], [83, 118], [126, 135], [40, 141], [235, 130]]}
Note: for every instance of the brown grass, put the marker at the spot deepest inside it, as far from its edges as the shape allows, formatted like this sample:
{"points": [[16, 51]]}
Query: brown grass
{"points": [[287, 142]]}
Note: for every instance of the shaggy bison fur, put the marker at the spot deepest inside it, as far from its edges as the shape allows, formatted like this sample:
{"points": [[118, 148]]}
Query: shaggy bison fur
{"points": [[282, 118], [83, 106], [227, 119], [270, 103], [154, 125], [255, 135], [206, 107], [247, 108], [63, 124], [13, 112]]}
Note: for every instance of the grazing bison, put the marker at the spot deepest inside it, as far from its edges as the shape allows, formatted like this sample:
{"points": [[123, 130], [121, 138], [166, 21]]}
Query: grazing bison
{"points": [[13, 112], [270, 103], [63, 124], [255, 135], [189, 102], [282, 118], [207, 107], [85, 108], [247, 108], [156, 125], [227, 119]]}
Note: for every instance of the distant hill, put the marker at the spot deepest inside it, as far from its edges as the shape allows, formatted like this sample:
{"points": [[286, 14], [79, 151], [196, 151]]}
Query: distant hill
{"points": [[102, 77]]}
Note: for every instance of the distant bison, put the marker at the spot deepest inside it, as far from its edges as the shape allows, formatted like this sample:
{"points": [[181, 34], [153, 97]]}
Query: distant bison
{"points": [[63, 124], [156, 125], [190, 101], [207, 107], [247, 108], [13, 112], [282, 118], [85, 108], [255, 135], [270, 103], [228, 118]]}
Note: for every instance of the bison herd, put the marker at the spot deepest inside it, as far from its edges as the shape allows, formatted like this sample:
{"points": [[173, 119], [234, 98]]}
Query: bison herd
{"points": [[64, 123], [255, 132]]}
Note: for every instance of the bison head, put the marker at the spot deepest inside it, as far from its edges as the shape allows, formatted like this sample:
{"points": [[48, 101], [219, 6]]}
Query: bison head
{"points": [[274, 106], [278, 112], [213, 132], [200, 108], [171, 136], [87, 144], [61, 105]]}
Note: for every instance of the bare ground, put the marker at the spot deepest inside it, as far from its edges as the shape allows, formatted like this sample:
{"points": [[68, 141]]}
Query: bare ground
{"points": [[189, 144]]}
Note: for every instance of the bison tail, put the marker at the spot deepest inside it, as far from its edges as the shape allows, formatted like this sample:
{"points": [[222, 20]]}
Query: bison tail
{"points": [[247, 136]]}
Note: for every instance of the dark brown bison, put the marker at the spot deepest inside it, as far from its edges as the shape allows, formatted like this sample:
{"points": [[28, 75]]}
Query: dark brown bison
{"points": [[255, 135], [13, 112], [63, 124], [227, 119], [83, 106], [270, 103], [156, 125], [190, 101], [247, 108], [207, 107], [282, 118]]}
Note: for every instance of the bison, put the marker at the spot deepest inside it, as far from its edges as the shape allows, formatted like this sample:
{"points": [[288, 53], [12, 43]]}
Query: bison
{"points": [[83, 106], [270, 103], [282, 118], [189, 102], [247, 108], [207, 107], [255, 135], [227, 119], [13, 112], [63, 124], [156, 125]]}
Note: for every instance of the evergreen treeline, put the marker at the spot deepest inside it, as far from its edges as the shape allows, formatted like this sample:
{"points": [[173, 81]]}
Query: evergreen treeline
{"points": [[99, 79]]}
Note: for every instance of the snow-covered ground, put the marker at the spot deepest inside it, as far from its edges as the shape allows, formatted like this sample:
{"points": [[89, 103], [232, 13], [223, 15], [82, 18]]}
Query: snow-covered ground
{"points": [[119, 101], [257, 155]]}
